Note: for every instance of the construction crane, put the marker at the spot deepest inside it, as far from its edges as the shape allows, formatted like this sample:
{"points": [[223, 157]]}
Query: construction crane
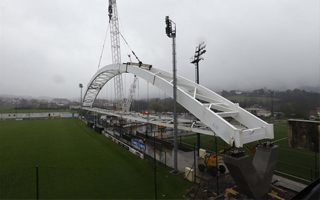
{"points": [[115, 50], [127, 102], [227, 120]]}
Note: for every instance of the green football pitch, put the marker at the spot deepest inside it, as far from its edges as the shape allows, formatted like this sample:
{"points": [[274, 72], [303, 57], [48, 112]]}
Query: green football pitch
{"points": [[75, 162]]}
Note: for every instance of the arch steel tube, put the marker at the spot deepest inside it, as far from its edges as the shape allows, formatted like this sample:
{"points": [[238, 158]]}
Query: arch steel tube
{"points": [[191, 96]]}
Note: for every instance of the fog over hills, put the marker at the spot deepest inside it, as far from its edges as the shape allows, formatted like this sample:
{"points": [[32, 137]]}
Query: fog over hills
{"points": [[48, 47]]}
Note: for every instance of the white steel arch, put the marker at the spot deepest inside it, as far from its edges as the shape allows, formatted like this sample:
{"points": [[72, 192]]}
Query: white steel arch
{"points": [[228, 120]]}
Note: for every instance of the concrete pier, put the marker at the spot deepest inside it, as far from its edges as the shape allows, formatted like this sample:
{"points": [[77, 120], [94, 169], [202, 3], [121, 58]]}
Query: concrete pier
{"points": [[253, 176]]}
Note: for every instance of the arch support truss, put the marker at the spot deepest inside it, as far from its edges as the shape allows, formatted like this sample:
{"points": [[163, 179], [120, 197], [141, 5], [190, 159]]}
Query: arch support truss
{"points": [[227, 120]]}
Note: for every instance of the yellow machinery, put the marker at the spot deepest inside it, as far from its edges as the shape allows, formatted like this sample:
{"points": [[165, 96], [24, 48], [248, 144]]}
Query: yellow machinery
{"points": [[208, 162]]}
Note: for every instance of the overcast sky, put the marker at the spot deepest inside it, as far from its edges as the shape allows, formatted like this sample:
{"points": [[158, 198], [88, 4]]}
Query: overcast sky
{"points": [[47, 47]]}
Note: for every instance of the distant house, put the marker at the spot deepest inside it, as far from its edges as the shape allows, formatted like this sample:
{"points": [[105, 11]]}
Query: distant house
{"points": [[75, 107], [238, 92], [61, 102], [315, 114], [278, 114], [260, 112]]}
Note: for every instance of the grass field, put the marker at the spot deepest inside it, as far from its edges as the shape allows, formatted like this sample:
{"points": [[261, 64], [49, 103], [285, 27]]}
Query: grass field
{"points": [[296, 162], [75, 162]]}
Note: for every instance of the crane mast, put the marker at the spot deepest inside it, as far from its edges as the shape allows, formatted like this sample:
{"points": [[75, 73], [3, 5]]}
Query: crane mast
{"points": [[115, 50], [127, 102]]}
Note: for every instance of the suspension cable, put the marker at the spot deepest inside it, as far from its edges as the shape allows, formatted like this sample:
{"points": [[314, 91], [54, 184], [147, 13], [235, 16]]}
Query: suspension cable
{"points": [[104, 42], [126, 42]]}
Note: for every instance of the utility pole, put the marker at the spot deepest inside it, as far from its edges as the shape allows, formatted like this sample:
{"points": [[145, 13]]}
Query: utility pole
{"points": [[171, 33], [115, 50], [200, 50]]}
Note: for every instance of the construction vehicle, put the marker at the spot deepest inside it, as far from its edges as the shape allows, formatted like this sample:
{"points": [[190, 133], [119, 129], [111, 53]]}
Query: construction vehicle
{"points": [[211, 163]]}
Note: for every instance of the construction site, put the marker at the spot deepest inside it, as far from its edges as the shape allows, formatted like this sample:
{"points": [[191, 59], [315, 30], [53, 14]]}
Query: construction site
{"points": [[242, 169], [138, 130]]}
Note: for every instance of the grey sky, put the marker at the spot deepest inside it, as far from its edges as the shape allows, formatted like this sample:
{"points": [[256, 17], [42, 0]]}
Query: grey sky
{"points": [[47, 47]]}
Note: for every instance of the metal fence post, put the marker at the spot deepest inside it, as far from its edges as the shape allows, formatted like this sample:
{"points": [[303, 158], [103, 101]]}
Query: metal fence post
{"points": [[194, 163], [37, 182], [217, 163], [155, 166], [165, 158]]}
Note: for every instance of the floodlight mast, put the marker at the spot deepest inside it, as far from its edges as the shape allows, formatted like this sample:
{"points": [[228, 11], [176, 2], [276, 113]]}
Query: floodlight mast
{"points": [[80, 86], [115, 50], [171, 33]]}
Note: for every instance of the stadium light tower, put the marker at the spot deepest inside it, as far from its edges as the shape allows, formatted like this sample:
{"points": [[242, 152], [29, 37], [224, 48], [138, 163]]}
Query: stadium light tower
{"points": [[200, 50], [171, 33], [80, 86]]}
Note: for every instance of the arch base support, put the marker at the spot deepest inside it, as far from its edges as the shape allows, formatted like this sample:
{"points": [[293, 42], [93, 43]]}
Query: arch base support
{"points": [[253, 176]]}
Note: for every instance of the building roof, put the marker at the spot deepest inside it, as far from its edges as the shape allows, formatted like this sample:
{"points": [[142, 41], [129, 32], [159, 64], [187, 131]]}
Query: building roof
{"points": [[303, 120]]}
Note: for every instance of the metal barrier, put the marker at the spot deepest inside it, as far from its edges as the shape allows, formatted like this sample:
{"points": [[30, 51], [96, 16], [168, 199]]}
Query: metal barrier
{"points": [[126, 146]]}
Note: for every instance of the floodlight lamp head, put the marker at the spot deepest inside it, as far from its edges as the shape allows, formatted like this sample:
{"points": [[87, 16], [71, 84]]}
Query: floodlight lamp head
{"points": [[170, 30], [203, 52], [168, 26], [80, 85], [167, 20]]}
